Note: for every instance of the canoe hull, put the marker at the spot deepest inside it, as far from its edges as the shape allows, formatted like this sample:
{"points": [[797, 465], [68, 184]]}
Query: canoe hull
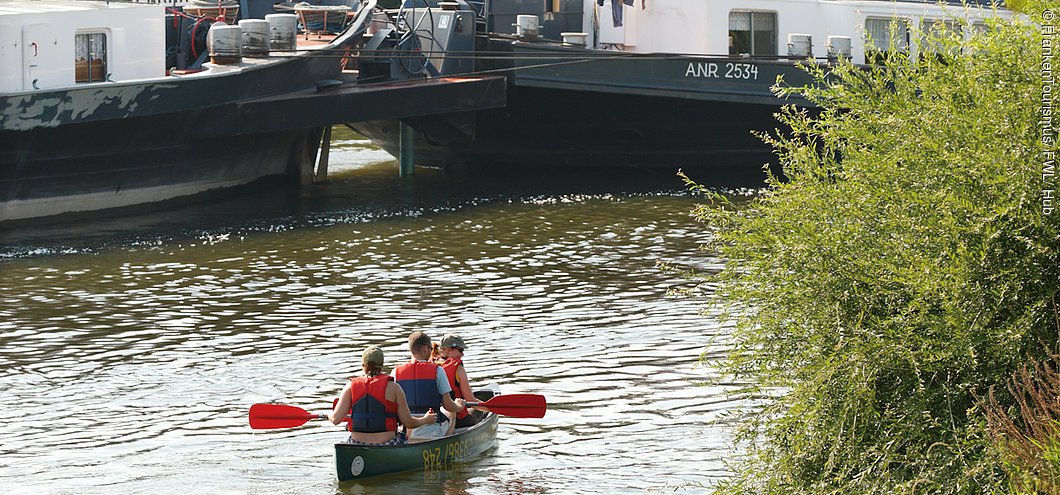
{"points": [[354, 462]]}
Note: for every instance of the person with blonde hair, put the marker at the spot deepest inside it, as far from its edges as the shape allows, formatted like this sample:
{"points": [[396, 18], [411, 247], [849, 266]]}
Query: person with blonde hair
{"points": [[376, 405]]}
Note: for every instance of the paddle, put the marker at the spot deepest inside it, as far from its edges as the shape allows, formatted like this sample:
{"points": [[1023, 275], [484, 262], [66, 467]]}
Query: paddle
{"points": [[269, 416], [515, 405]]}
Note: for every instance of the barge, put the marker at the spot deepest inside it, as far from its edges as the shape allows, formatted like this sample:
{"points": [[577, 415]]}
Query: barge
{"points": [[648, 83], [94, 116]]}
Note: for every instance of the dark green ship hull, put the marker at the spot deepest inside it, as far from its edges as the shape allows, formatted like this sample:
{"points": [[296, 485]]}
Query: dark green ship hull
{"points": [[353, 462]]}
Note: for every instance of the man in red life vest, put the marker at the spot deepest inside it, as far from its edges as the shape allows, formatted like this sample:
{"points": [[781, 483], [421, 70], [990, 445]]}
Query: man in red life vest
{"points": [[375, 405], [452, 348], [426, 387]]}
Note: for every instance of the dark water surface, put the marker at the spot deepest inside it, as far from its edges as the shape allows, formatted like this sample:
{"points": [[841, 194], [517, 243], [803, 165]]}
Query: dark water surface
{"points": [[132, 348]]}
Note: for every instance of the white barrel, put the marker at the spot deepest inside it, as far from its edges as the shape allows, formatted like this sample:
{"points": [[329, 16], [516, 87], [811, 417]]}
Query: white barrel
{"points": [[526, 26], [574, 38], [282, 31], [255, 37], [839, 46], [225, 43], [800, 45]]}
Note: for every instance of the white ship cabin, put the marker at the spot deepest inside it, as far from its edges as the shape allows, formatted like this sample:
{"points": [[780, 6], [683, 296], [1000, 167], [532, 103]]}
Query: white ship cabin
{"points": [[66, 43], [764, 28]]}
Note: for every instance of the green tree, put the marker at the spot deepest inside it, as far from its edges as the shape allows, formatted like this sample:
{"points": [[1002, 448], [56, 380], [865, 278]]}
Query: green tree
{"points": [[1016, 5], [903, 266]]}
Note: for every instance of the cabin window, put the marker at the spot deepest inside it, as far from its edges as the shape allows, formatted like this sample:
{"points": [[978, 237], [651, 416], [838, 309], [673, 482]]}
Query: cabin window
{"points": [[90, 57], [933, 31], [883, 36], [753, 33]]}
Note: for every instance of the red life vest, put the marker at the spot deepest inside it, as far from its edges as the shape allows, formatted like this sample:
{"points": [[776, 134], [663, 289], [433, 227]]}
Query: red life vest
{"points": [[450, 366], [418, 380], [370, 412]]}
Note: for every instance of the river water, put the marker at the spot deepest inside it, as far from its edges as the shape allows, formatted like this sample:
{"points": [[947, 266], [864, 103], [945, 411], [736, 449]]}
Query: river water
{"points": [[132, 347]]}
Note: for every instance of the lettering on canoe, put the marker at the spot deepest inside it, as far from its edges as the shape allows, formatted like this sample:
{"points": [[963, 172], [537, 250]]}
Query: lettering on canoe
{"points": [[728, 70], [432, 458], [451, 452]]}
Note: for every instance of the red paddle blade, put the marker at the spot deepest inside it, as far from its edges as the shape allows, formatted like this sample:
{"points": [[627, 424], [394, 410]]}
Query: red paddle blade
{"points": [[517, 405], [269, 416]]}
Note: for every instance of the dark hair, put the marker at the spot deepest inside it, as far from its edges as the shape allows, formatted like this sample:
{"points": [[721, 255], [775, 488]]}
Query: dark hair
{"points": [[418, 338]]}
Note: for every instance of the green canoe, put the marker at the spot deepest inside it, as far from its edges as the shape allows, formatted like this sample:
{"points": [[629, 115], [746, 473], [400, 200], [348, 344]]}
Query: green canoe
{"points": [[354, 462]]}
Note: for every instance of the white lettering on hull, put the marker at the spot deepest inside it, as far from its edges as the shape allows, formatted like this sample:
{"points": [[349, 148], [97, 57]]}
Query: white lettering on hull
{"points": [[729, 70]]}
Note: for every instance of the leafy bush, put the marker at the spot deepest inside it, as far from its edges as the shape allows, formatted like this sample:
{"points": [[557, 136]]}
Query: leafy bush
{"points": [[903, 266], [1027, 434]]}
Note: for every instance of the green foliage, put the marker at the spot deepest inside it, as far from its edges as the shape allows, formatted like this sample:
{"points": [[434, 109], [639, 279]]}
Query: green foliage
{"points": [[1026, 480], [1026, 435], [902, 267], [1016, 5]]}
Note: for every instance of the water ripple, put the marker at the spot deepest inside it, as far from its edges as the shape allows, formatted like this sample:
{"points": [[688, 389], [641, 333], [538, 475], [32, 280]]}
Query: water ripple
{"points": [[131, 369]]}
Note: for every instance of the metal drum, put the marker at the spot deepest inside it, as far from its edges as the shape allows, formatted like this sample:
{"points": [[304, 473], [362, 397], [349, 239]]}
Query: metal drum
{"points": [[225, 43], [800, 45], [255, 37], [283, 28], [839, 47], [527, 26]]}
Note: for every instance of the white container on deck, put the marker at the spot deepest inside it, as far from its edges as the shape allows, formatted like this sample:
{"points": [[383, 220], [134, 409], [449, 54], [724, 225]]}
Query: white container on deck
{"points": [[282, 31], [255, 37], [574, 38], [800, 45], [225, 43], [839, 46], [527, 26]]}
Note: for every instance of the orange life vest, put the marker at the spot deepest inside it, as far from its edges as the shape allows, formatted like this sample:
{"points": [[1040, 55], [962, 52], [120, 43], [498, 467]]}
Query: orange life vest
{"points": [[370, 412], [450, 366]]}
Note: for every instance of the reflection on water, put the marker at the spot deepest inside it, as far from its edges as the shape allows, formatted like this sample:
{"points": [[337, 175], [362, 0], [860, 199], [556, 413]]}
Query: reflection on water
{"points": [[131, 348]]}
